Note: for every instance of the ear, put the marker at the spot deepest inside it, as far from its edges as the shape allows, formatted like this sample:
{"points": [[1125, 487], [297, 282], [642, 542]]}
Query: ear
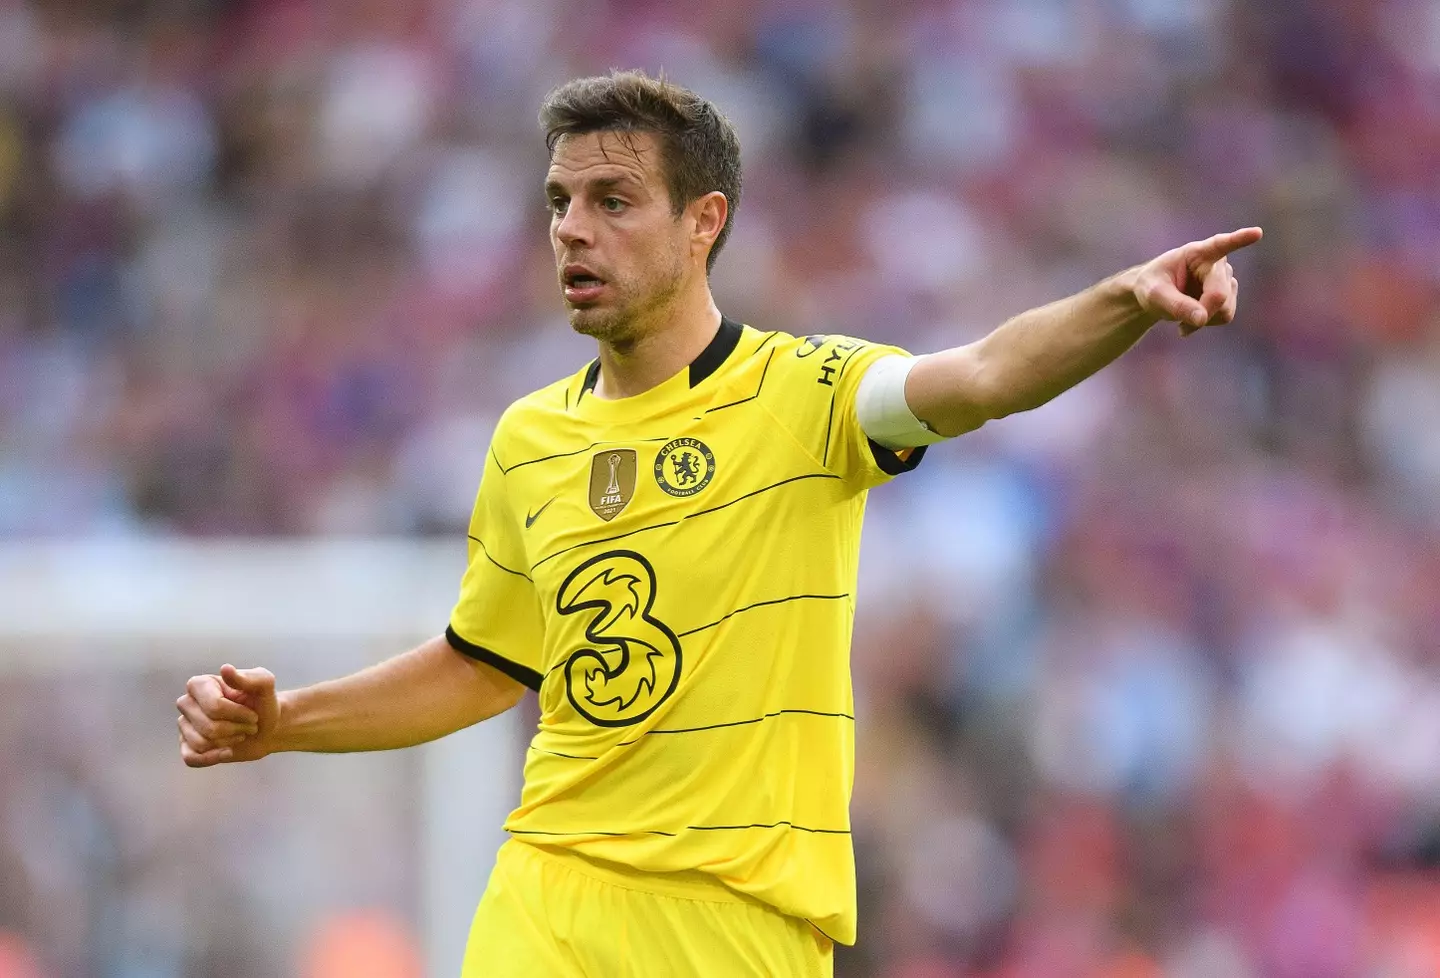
{"points": [[707, 214]]}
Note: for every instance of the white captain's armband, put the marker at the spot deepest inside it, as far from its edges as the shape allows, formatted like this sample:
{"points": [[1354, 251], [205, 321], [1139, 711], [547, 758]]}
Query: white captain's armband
{"points": [[880, 405]]}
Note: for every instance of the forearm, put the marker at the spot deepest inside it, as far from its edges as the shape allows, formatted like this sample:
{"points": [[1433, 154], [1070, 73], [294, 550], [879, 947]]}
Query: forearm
{"points": [[415, 697], [1029, 359]]}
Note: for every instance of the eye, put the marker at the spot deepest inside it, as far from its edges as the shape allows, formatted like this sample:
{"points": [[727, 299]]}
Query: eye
{"points": [[558, 205], [613, 204]]}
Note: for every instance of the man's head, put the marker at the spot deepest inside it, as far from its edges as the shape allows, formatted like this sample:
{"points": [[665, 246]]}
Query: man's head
{"points": [[643, 184]]}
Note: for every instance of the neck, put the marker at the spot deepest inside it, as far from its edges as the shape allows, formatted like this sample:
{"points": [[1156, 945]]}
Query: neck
{"points": [[660, 353]]}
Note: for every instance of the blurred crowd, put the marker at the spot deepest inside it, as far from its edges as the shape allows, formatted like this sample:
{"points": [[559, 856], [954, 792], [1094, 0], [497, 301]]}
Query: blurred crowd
{"points": [[1148, 679]]}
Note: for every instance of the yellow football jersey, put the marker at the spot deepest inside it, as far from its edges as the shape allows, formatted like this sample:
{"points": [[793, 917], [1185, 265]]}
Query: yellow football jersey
{"points": [[675, 574]]}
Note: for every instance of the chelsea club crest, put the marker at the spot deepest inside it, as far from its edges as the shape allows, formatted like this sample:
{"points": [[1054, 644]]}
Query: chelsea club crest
{"points": [[684, 466]]}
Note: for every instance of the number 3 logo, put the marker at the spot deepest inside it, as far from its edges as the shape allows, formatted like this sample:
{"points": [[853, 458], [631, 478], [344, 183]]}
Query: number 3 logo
{"points": [[634, 665]]}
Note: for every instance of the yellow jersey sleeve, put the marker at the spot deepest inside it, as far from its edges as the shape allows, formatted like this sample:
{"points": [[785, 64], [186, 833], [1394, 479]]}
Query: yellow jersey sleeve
{"points": [[813, 394], [497, 618]]}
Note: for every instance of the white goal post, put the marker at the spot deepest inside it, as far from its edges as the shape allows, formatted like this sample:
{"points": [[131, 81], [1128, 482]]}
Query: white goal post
{"points": [[185, 604]]}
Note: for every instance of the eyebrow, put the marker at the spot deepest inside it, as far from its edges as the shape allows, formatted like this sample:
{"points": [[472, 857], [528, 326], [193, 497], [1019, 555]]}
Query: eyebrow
{"points": [[599, 185]]}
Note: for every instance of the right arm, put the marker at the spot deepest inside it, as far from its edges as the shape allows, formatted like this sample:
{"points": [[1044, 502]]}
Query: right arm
{"points": [[415, 697], [421, 695]]}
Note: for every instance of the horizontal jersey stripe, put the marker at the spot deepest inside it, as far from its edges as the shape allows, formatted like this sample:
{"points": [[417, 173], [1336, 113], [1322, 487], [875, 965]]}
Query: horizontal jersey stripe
{"points": [[745, 723], [782, 823], [771, 602], [556, 753], [618, 835], [486, 551], [690, 516], [711, 726], [763, 604], [578, 451]]}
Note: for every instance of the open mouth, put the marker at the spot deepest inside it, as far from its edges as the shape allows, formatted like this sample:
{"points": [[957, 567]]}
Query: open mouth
{"points": [[581, 284]]}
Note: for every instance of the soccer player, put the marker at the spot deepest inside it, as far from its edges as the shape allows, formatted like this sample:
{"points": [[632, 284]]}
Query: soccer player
{"points": [[664, 547]]}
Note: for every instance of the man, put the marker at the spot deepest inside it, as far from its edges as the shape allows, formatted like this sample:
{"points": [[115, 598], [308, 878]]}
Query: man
{"points": [[664, 546]]}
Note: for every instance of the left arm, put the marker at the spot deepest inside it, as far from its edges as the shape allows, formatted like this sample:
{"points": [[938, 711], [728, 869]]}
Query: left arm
{"points": [[1046, 351]]}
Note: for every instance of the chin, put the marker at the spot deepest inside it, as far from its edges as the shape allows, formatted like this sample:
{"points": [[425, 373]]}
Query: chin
{"points": [[592, 321], [600, 324]]}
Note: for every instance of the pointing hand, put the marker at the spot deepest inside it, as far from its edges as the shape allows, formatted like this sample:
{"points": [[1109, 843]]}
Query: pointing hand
{"points": [[1194, 284]]}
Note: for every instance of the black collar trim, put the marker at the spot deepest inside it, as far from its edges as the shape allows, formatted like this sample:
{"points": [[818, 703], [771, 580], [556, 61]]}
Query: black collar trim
{"points": [[591, 377], [727, 338]]}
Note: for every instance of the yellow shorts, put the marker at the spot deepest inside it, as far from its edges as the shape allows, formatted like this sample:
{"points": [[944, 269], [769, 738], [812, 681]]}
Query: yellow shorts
{"points": [[551, 914]]}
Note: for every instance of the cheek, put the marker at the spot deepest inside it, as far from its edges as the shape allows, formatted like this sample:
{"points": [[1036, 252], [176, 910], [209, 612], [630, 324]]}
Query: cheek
{"points": [[662, 248]]}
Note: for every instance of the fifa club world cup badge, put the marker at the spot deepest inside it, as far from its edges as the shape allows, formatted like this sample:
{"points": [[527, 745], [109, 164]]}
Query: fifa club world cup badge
{"points": [[612, 481], [684, 466]]}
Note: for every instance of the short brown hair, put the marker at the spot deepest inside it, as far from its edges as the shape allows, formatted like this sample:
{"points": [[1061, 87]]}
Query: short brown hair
{"points": [[700, 147]]}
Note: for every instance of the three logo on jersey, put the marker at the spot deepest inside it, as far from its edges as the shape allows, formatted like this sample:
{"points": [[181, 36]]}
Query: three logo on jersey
{"points": [[683, 467], [633, 660]]}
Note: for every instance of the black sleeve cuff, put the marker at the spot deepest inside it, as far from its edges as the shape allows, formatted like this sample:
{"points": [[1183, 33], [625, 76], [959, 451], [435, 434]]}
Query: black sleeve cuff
{"points": [[892, 464], [521, 674]]}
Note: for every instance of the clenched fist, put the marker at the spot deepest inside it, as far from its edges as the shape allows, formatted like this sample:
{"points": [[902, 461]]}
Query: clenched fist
{"points": [[229, 717]]}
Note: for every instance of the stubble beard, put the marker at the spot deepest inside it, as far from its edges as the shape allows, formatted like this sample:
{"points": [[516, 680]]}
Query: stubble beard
{"points": [[608, 324], [629, 317]]}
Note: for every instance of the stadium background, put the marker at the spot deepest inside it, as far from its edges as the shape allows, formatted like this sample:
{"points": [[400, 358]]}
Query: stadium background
{"points": [[1148, 680]]}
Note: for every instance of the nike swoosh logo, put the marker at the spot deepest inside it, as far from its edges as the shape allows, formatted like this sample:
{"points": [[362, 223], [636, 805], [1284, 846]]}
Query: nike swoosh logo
{"points": [[530, 518]]}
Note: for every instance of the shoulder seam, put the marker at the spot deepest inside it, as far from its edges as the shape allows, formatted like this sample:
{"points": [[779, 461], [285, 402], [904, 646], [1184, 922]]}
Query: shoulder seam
{"points": [[834, 393], [786, 428], [792, 436]]}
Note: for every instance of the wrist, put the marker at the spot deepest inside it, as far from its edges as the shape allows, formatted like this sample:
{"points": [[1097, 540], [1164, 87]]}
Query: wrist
{"points": [[283, 736], [1123, 291]]}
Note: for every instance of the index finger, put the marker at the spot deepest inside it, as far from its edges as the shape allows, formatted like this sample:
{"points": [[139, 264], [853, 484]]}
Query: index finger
{"points": [[1218, 246], [208, 693]]}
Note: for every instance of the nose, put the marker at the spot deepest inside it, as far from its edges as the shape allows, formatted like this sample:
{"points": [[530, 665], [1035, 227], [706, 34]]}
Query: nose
{"points": [[572, 228]]}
